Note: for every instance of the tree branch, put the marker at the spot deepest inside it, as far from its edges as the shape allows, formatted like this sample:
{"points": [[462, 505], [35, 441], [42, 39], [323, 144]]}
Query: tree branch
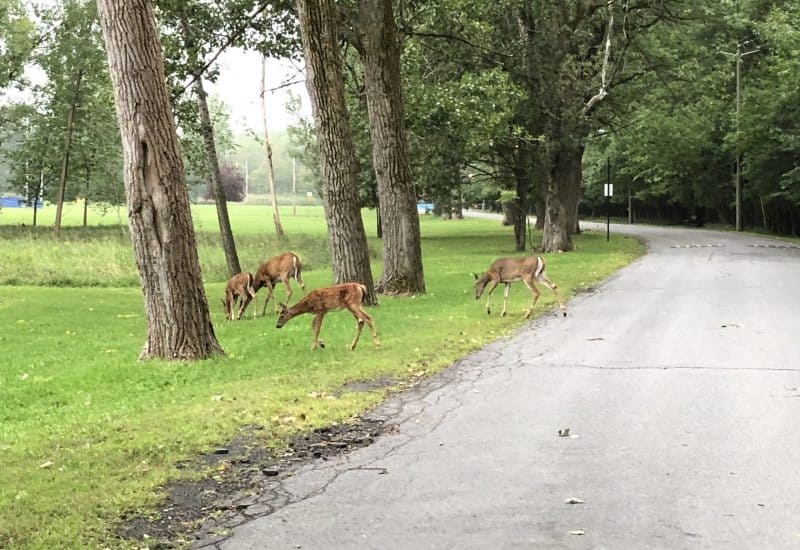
{"points": [[603, 92]]}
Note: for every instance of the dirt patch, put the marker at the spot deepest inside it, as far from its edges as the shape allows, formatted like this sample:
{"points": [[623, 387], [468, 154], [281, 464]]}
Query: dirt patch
{"points": [[245, 483], [366, 385]]}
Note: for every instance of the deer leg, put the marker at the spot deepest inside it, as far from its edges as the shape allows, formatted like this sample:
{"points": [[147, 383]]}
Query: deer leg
{"points": [[554, 287], [359, 326], [234, 301], [505, 299], [243, 303], [252, 294], [299, 279], [316, 324], [489, 296], [534, 295], [225, 307], [289, 293], [270, 292], [375, 340]]}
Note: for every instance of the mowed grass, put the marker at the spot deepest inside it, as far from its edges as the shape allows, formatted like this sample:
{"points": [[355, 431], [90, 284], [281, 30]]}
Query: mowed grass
{"points": [[88, 434]]}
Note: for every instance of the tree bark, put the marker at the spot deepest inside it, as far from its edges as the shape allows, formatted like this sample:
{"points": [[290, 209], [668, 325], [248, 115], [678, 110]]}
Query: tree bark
{"points": [[86, 197], [276, 215], [39, 193], [570, 174], [522, 168], [62, 184], [402, 252], [212, 165], [348, 240], [159, 217]]}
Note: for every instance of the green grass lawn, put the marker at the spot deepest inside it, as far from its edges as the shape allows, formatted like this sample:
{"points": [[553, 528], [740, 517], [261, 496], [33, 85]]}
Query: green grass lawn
{"points": [[88, 433]]}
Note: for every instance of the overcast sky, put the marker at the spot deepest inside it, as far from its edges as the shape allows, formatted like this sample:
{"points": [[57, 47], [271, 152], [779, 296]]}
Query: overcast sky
{"points": [[239, 85]]}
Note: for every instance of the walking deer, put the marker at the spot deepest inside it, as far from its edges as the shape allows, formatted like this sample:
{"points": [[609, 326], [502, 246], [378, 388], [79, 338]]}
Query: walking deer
{"points": [[322, 300], [507, 270], [284, 267], [239, 287]]}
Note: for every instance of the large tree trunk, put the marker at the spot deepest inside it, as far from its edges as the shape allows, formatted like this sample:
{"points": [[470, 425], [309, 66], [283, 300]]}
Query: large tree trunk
{"points": [[62, 184], [540, 185], [571, 174], [178, 322], [348, 240], [522, 172], [212, 164], [402, 252], [276, 215], [556, 233]]}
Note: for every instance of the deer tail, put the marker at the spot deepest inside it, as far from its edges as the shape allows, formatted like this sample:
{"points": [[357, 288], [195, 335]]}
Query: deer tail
{"points": [[295, 261], [539, 268], [251, 284], [363, 292]]}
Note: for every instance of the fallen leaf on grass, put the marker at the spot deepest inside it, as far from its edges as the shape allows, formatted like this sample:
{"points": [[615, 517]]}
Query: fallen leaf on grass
{"points": [[50, 463]]}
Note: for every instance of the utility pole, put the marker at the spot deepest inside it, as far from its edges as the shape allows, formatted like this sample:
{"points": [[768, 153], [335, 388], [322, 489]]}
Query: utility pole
{"points": [[294, 186], [246, 179], [737, 181], [608, 191]]}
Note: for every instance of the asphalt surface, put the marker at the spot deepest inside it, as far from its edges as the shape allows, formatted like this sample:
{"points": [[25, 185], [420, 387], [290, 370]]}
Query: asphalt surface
{"points": [[681, 378]]}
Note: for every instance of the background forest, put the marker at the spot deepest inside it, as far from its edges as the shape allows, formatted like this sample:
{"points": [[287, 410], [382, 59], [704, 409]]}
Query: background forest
{"points": [[644, 91]]}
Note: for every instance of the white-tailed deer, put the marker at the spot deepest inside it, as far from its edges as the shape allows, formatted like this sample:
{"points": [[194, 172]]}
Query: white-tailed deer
{"points": [[322, 300], [507, 270], [240, 287], [279, 268]]}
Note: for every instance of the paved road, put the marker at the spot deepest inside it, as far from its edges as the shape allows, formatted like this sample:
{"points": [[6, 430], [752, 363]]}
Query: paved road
{"points": [[681, 377]]}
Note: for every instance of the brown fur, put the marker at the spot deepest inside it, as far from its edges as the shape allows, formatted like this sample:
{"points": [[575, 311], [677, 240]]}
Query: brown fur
{"points": [[529, 270], [239, 287], [282, 268], [348, 296]]}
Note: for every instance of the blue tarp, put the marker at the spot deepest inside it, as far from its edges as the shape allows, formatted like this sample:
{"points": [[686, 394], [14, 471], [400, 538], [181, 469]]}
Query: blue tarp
{"points": [[16, 202]]}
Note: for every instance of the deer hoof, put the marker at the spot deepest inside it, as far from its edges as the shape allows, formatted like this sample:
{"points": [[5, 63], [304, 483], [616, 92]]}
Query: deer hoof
{"points": [[488, 311], [503, 314]]}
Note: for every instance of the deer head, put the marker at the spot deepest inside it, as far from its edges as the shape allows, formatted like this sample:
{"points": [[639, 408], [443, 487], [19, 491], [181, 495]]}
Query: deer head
{"points": [[283, 316], [480, 284]]}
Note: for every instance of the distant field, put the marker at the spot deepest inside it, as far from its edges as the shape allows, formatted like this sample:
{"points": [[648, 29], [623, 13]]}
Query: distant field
{"points": [[88, 433]]}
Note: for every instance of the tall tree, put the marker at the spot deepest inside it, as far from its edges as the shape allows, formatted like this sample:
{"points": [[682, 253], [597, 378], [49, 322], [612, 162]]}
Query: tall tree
{"points": [[17, 40], [380, 53], [276, 215], [178, 321], [348, 240], [190, 41]]}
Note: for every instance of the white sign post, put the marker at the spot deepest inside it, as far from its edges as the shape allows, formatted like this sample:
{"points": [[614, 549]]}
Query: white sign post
{"points": [[608, 192]]}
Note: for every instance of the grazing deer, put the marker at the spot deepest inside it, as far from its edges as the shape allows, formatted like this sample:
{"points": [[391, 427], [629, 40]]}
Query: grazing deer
{"points": [[279, 268], [240, 287], [332, 298], [507, 270]]}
